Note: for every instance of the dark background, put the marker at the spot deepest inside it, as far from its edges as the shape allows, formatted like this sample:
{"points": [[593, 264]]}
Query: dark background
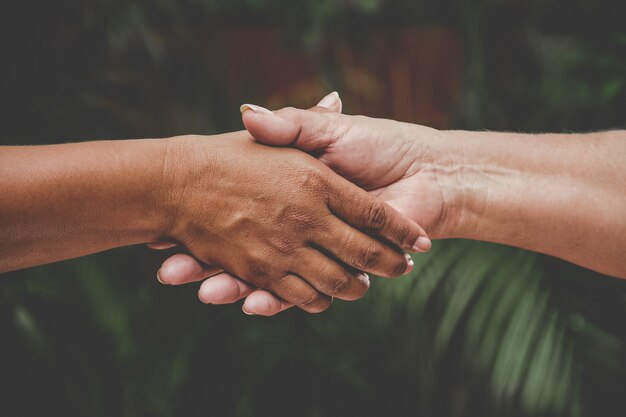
{"points": [[477, 330]]}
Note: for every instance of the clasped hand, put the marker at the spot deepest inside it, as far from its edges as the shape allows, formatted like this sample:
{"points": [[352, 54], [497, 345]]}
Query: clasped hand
{"points": [[283, 221]]}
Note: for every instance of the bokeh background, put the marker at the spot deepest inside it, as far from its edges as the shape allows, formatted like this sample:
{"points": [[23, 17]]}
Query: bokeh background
{"points": [[477, 330]]}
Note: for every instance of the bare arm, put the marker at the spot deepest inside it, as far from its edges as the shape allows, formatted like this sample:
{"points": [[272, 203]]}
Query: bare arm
{"points": [[65, 201], [559, 194]]}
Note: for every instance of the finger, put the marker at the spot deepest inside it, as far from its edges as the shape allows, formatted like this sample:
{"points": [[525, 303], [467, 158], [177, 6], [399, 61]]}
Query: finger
{"points": [[310, 131], [267, 127], [284, 127], [294, 290], [362, 252], [331, 102], [361, 210], [160, 245], [329, 277], [182, 269], [223, 289], [264, 303]]}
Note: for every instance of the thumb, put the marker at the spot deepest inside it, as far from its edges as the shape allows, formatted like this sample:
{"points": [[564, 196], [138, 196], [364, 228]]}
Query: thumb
{"points": [[303, 129], [332, 102], [267, 127]]}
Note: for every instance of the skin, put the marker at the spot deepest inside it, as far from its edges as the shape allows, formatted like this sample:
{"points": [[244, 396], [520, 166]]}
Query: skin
{"points": [[276, 218], [559, 194]]}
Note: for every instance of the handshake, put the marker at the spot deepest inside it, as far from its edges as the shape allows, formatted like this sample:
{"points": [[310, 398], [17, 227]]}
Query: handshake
{"points": [[288, 229], [299, 208]]}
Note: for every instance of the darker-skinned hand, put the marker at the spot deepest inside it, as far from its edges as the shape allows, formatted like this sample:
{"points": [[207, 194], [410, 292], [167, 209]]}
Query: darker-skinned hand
{"points": [[281, 220]]}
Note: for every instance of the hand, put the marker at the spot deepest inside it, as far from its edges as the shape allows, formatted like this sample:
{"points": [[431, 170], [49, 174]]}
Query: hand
{"points": [[281, 220], [376, 154]]}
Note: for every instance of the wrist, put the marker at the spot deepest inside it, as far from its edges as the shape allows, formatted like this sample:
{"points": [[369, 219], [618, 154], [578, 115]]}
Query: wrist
{"points": [[437, 158], [181, 158], [462, 184], [146, 176], [477, 173], [194, 171]]}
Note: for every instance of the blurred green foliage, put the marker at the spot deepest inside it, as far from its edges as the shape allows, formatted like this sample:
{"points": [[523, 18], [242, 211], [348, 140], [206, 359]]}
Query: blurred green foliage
{"points": [[477, 330]]}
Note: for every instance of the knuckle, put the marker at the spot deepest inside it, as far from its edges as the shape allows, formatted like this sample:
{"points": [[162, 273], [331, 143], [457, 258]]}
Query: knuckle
{"points": [[376, 216], [369, 257], [276, 281], [259, 272], [286, 247], [338, 285], [314, 303], [322, 222], [311, 180], [319, 227], [336, 126], [334, 280], [292, 215], [403, 233], [281, 244], [399, 266], [303, 222]]}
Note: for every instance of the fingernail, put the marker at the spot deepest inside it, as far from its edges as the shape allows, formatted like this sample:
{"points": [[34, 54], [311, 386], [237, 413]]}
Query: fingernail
{"points": [[243, 308], [159, 277], [329, 100], [409, 262], [364, 277], [254, 108], [422, 244]]}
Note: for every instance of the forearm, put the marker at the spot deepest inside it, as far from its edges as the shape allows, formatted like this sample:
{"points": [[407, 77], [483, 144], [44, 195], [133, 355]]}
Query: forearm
{"points": [[64, 201], [559, 194]]}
